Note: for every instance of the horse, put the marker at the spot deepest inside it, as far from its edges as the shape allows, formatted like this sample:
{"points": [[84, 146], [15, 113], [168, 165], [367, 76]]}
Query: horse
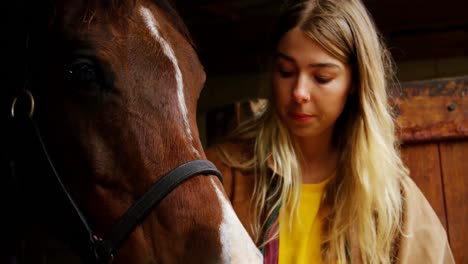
{"points": [[101, 150]]}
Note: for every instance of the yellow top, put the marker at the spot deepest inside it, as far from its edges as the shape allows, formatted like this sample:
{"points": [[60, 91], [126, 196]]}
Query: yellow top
{"points": [[301, 243]]}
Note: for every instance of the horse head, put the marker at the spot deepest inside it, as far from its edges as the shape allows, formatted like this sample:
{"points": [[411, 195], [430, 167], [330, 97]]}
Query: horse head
{"points": [[115, 85]]}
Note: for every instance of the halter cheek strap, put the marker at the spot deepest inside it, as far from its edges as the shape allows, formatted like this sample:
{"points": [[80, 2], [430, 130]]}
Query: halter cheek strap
{"points": [[104, 249], [143, 206]]}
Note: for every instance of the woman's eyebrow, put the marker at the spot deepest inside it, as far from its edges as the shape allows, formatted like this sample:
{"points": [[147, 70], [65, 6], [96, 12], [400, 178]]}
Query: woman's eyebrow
{"points": [[313, 65], [324, 65], [284, 56]]}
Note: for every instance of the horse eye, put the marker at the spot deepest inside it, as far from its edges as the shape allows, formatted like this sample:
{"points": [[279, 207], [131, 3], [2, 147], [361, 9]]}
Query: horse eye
{"points": [[84, 75]]}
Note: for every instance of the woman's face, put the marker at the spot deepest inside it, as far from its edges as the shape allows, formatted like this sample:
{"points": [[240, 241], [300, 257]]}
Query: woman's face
{"points": [[310, 86]]}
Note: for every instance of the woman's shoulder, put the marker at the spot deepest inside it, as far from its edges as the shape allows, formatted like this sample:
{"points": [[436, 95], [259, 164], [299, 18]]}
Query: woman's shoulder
{"points": [[232, 158], [417, 210], [215, 154], [423, 235], [415, 201], [226, 153]]}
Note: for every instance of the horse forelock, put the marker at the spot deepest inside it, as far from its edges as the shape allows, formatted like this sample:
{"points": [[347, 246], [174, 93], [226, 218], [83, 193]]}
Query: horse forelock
{"points": [[122, 9]]}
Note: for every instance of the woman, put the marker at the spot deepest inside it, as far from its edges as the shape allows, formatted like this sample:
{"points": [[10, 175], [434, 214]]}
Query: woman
{"points": [[316, 177]]}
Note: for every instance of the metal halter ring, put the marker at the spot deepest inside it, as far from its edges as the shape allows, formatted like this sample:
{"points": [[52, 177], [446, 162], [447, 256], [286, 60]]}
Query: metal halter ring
{"points": [[31, 100]]}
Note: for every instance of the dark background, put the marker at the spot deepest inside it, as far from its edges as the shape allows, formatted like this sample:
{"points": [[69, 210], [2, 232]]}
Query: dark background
{"points": [[428, 40], [231, 34]]}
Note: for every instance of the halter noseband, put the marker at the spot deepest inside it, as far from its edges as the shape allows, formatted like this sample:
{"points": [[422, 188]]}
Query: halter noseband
{"points": [[104, 249]]}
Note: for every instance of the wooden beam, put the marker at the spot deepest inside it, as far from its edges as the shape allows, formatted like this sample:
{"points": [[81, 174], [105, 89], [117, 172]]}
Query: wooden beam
{"points": [[431, 110]]}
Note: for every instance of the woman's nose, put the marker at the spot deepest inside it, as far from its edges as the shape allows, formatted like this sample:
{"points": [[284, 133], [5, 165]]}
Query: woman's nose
{"points": [[301, 90]]}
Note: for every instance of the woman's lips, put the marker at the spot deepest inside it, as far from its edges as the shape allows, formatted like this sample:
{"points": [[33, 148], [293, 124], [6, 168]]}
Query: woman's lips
{"points": [[301, 117]]}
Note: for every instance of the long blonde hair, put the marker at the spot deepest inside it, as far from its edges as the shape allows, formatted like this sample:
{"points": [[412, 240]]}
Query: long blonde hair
{"points": [[363, 202]]}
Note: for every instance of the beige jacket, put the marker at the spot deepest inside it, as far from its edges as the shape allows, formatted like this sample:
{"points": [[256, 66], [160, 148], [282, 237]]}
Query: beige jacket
{"points": [[424, 240]]}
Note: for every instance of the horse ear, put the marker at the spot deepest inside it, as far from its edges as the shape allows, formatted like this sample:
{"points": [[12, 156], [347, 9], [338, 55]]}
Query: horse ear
{"points": [[170, 7], [172, 3], [121, 3], [115, 6], [111, 3]]}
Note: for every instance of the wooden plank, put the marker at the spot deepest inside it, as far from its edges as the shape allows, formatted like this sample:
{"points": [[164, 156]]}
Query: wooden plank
{"points": [[431, 110], [455, 177], [423, 162]]}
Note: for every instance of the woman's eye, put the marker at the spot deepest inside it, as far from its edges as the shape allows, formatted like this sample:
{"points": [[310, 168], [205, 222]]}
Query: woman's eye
{"points": [[322, 80], [285, 74]]}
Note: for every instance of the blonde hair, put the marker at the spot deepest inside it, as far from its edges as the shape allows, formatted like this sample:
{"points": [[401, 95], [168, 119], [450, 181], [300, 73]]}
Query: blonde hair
{"points": [[363, 202]]}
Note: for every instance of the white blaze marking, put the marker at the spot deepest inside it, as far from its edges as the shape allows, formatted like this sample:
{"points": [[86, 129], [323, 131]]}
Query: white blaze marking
{"points": [[152, 25], [237, 247]]}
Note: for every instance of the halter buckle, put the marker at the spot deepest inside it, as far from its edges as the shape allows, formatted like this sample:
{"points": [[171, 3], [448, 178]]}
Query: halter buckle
{"points": [[99, 249]]}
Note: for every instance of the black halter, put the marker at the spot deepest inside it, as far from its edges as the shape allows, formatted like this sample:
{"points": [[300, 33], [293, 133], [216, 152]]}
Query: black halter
{"points": [[104, 248]]}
